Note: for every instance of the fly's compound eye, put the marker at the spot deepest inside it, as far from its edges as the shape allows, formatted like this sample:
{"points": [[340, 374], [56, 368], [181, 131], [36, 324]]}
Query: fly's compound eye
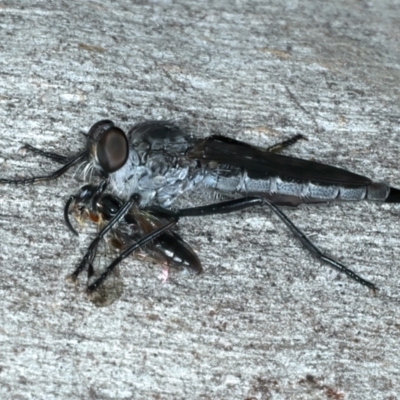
{"points": [[112, 150]]}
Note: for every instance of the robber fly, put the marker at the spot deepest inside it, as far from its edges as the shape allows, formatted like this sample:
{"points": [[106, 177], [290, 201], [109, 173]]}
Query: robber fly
{"points": [[146, 232], [159, 161]]}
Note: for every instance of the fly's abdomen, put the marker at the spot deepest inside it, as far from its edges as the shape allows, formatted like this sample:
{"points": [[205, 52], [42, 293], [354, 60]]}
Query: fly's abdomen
{"points": [[292, 192]]}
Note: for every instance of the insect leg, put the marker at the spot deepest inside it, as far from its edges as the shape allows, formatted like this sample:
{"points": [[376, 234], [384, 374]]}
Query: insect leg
{"points": [[278, 147], [58, 158], [246, 202], [314, 250], [44, 178], [91, 251], [89, 195], [128, 251], [66, 217]]}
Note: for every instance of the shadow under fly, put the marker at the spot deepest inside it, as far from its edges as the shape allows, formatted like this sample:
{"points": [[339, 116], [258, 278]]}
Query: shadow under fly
{"points": [[158, 161]]}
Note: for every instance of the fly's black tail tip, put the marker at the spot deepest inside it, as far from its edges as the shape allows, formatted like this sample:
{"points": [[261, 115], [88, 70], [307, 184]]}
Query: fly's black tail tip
{"points": [[394, 196]]}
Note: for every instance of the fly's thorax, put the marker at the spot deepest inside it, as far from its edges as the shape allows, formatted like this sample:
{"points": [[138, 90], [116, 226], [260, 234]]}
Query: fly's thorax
{"points": [[157, 176], [159, 135]]}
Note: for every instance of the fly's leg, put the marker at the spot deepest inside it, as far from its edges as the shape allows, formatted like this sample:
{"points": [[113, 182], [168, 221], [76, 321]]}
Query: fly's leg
{"points": [[58, 158], [314, 250], [88, 258], [276, 148], [247, 202], [128, 251], [45, 178]]}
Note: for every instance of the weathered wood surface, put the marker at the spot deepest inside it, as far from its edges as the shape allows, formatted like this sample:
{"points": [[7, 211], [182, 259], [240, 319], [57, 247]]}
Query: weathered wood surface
{"points": [[265, 320]]}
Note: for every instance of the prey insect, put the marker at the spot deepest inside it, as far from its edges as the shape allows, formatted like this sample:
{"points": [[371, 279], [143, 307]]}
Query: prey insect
{"points": [[167, 249], [159, 161]]}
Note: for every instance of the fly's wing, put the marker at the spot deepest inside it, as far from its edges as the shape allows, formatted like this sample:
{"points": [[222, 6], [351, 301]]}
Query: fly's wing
{"points": [[105, 252], [112, 288], [168, 249], [262, 164]]}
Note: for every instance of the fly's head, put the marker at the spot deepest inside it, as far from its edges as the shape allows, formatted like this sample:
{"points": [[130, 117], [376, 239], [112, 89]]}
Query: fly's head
{"points": [[108, 147]]}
